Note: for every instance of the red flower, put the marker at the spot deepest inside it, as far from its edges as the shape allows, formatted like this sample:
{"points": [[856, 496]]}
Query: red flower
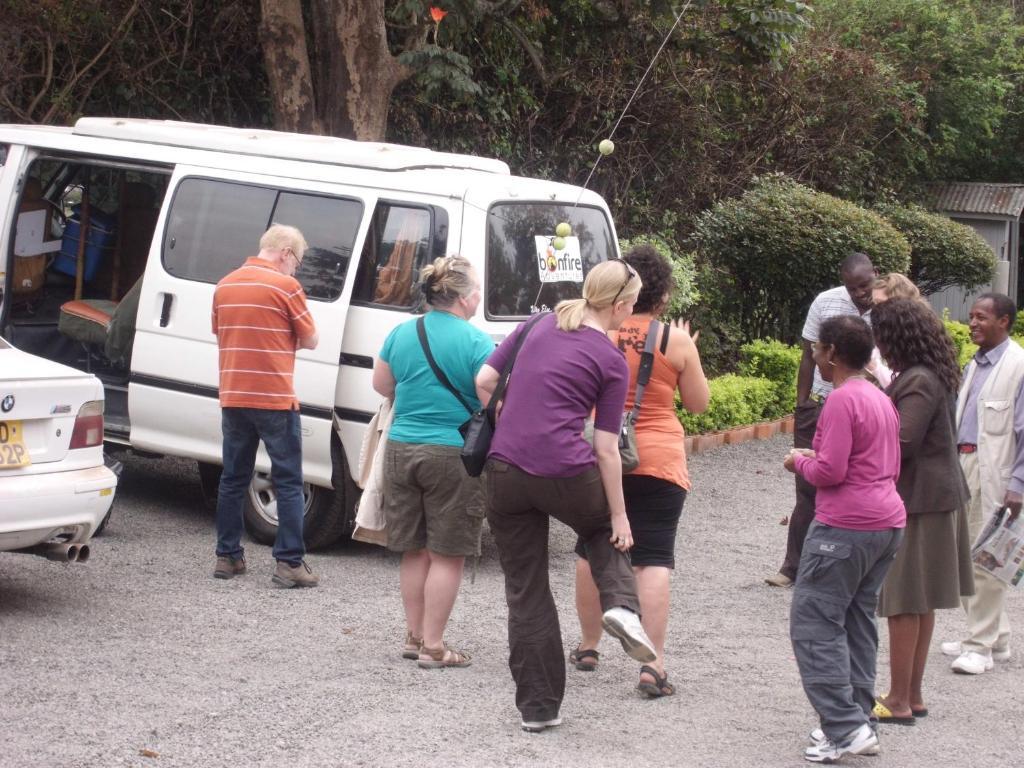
{"points": [[437, 14]]}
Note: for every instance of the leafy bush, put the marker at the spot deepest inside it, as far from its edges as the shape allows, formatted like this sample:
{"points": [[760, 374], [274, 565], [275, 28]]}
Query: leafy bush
{"points": [[777, 362], [961, 336], [735, 401], [942, 252], [782, 243], [684, 273]]}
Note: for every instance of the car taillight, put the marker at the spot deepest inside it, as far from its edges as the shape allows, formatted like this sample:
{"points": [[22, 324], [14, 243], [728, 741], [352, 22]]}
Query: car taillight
{"points": [[88, 426]]}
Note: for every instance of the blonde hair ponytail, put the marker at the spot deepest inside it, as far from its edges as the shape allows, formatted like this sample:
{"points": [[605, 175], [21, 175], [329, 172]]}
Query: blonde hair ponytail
{"points": [[570, 313], [608, 282]]}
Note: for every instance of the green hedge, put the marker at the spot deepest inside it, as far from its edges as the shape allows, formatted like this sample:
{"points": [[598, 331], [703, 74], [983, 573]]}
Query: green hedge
{"points": [[735, 401], [961, 336], [942, 252], [777, 362], [779, 244]]}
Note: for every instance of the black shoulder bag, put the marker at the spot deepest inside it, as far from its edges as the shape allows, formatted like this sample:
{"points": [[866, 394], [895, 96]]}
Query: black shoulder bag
{"points": [[478, 430]]}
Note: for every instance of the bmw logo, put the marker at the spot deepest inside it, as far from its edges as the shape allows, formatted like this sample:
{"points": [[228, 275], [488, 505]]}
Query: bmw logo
{"points": [[7, 404]]}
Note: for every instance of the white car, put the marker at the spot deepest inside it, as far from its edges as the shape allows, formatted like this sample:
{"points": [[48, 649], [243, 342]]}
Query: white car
{"points": [[55, 489]]}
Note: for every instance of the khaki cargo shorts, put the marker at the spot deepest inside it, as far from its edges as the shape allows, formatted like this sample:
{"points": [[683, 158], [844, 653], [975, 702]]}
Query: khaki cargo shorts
{"points": [[429, 500]]}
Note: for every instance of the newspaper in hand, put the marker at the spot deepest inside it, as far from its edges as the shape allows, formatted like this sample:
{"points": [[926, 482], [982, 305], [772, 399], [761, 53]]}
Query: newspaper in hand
{"points": [[1000, 547]]}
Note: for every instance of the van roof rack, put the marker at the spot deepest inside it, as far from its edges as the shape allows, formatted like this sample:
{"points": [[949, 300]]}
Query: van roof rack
{"points": [[278, 144]]}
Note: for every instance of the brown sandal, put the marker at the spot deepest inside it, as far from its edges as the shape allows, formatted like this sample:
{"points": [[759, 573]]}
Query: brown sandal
{"points": [[660, 687], [436, 658], [411, 649], [584, 659]]}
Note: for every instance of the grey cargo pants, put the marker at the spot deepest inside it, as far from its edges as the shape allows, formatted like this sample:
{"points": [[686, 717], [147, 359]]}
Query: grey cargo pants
{"points": [[832, 621]]}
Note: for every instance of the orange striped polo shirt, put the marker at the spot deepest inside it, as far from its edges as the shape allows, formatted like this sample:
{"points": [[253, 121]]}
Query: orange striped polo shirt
{"points": [[258, 315]]}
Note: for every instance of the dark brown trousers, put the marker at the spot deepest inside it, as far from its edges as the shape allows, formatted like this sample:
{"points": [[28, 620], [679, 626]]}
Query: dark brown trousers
{"points": [[806, 424], [519, 510]]}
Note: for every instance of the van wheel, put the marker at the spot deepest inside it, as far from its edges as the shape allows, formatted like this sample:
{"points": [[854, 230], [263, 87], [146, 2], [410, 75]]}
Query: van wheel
{"points": [[209, 483], [326, 512]]}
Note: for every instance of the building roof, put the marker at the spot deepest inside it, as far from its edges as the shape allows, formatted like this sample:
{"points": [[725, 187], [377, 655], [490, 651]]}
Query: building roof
{"points": [[978, 197]]}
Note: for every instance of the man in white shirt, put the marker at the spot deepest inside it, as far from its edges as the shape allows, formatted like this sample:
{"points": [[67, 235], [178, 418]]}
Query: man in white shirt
{"points": [[853, 297]]}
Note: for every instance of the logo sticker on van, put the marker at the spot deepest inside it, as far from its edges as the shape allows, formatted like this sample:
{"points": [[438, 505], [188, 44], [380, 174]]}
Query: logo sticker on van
{"points": [[558, 265]]}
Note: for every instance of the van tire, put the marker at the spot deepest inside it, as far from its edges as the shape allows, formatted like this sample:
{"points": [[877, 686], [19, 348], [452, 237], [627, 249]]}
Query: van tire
{"points": [[209, 483], [329, 512]]}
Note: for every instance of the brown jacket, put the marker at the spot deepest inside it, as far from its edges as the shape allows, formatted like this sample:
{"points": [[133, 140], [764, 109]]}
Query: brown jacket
{"points": [[930, 476]]}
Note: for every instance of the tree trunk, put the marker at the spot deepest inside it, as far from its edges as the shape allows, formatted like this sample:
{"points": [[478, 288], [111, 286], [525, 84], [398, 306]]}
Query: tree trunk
{"points": [[286, 58], [361, 72]]}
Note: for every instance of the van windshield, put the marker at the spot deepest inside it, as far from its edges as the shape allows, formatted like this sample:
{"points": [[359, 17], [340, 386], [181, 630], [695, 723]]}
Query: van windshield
{"points": [[520, 250]]}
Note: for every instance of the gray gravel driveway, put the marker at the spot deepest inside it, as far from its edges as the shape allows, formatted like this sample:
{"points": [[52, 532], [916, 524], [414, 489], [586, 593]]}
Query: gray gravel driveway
{"points": [[139, 658]]}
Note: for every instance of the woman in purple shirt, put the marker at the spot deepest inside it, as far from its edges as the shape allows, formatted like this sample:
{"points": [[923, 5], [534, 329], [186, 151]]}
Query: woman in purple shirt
{"points": [[857, 529], [541, 467]]}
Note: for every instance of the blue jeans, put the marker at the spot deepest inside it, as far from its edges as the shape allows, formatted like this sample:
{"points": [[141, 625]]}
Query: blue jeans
{"points": [[243, 428]]}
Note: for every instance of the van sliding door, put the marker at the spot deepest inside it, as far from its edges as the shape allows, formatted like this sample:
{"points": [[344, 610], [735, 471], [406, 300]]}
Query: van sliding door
{"points": [[209, 227]]}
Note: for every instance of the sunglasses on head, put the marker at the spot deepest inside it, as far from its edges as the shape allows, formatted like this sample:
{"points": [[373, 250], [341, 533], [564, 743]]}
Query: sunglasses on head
{"points": [[630, 274]]}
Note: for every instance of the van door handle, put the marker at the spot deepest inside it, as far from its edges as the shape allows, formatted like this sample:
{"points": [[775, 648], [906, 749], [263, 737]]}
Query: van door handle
{"points": [[165, 310]]}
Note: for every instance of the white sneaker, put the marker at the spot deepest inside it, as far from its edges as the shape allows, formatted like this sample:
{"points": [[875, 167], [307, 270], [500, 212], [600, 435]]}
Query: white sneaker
{"points": [[817, 738], [625, 626], [536, 726], [972, 663], [953, 648], [862, 741]]}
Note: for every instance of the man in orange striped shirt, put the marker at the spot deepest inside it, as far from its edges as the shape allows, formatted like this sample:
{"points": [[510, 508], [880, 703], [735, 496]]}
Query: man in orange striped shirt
{"points": [[260, 318]]}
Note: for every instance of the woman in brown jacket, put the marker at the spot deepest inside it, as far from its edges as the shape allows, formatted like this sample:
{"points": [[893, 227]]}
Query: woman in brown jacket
{"points": [[932, 569]]}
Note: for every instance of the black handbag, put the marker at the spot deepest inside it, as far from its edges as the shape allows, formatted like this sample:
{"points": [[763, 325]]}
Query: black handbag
{"points": [[478, 430]]}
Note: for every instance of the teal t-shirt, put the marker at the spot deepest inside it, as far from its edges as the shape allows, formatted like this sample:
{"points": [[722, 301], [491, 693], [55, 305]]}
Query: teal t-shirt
{"points": [[425, 411]]}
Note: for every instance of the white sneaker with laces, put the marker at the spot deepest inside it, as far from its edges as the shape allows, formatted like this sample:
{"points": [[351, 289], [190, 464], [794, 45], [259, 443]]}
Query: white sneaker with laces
{"points": [[624, 626], [817, 738], [972, 663], [536, 726], [862, 741]]}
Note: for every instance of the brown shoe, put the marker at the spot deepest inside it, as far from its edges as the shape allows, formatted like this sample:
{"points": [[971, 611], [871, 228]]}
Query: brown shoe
{"points": [[289, 576], [229, 567]]}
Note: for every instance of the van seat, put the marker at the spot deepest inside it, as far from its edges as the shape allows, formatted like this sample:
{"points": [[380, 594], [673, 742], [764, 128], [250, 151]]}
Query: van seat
{"points": [[110, 324], [86, 320]]}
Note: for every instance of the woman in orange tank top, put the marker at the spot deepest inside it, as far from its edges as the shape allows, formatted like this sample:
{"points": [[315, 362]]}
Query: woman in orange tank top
{"points": [[656, 489]]}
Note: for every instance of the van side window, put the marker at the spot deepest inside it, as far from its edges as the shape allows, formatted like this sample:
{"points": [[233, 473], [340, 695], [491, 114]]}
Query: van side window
{"points": [[401, 241], [214, 225]]}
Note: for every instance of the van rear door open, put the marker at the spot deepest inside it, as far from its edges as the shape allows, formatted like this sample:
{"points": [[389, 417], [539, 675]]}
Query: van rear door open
{"points": [[207, 228]]}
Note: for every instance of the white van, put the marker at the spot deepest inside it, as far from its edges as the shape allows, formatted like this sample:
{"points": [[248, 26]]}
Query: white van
{"points": [[113, 234]]}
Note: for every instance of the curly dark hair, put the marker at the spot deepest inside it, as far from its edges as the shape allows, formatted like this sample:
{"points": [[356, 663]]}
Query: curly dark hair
{"points": [[909, 333], [851, 337], [656, 273]]}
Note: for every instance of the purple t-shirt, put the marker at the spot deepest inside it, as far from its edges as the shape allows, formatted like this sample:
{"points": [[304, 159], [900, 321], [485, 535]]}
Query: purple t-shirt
{"points": [[558, 378], [857, 460]]}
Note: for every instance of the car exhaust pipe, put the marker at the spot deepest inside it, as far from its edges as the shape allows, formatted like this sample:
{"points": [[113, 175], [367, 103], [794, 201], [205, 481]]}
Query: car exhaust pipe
{"points": [[62, 552]]}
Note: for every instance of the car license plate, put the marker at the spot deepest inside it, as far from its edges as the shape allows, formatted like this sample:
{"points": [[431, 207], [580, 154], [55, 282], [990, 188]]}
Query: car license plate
{"points": [[13, 452]]}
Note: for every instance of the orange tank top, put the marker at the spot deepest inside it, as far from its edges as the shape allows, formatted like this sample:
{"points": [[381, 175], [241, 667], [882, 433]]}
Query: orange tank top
{"points": [[659, 435]]}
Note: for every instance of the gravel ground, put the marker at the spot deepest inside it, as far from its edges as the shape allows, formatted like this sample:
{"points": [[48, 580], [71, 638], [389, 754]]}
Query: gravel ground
{"points": [[139, 658]]}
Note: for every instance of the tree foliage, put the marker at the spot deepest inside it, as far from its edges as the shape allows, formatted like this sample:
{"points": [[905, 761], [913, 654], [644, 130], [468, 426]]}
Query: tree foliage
{"points": [[781, 243], [943, 252]]}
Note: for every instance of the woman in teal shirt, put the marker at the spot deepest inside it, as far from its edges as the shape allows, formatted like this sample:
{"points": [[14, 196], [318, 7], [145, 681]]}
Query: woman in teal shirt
{"points": [[434, 510]]}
